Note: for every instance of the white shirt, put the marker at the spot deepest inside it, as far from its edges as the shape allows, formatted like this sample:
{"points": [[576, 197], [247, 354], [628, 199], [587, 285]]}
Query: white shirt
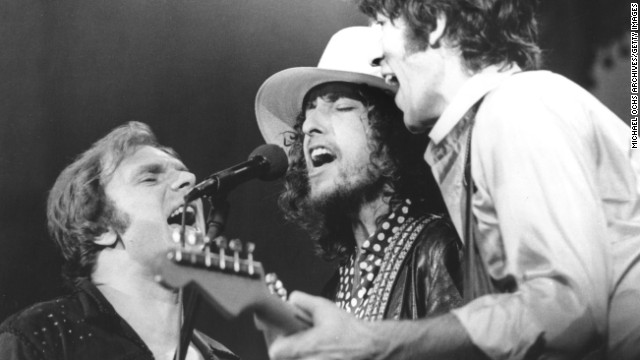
{"points": [[558, 210]]}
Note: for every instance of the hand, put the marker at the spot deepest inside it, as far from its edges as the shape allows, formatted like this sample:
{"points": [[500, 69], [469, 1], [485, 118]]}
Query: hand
{"points": [[335, 334]]}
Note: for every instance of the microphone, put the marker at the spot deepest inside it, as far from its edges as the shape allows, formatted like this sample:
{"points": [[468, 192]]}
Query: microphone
{"points": [[267, 162]]}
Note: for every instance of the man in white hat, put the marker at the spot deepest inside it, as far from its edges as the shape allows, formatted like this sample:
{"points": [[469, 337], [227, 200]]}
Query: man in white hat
{"points": [[357, 183]]}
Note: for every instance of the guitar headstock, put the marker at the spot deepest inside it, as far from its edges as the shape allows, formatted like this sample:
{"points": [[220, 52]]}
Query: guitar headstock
{"points": [[230, 257], [229, 278], [224, 271]]}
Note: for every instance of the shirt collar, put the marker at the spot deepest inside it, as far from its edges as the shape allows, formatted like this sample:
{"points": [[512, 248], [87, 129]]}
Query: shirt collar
{"points": [[94, 304], [471, 91]]}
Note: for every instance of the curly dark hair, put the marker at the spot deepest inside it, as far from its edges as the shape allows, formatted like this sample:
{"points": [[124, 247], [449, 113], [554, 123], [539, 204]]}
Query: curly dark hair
{"points": [[396, 156], [487, 32], [78, 210]]}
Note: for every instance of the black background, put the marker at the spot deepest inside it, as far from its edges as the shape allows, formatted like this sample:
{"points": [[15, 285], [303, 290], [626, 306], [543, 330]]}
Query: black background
{"points": [[71, 70]]}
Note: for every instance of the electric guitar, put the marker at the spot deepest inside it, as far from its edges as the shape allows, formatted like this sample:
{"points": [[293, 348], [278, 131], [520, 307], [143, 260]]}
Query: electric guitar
{"points": [[232, 283]]}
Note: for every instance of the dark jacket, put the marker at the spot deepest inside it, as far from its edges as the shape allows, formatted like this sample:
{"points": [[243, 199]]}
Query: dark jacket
{"points": [[428, 279], [82, 325]]}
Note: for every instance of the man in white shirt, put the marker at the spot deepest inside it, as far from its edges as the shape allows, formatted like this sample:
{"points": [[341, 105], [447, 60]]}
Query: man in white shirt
{"points": [[556, 201]]}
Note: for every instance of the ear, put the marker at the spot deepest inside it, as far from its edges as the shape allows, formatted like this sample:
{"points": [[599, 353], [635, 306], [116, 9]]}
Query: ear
{"points": [[436, 34], [107, 239]]}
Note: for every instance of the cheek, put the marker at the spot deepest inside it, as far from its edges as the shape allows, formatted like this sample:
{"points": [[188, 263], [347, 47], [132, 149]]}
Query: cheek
{"points": [[304, 152], [352, 133], [359, 151]]}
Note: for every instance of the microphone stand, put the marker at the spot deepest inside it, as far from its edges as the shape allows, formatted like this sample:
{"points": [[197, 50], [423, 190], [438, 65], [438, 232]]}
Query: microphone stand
{"points": [[216, 220]]}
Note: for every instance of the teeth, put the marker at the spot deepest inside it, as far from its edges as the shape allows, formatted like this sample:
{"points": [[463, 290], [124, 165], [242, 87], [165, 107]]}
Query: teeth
{"points": [[318, 152], [179, 211], [390, 79]]}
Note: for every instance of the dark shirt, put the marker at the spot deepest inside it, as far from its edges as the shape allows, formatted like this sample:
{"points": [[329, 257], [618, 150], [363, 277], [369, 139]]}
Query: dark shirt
{"points": [[82, 325]]}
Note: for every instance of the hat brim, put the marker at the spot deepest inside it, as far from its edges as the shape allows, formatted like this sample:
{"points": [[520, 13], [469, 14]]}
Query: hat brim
{"points": [[279, 99]]}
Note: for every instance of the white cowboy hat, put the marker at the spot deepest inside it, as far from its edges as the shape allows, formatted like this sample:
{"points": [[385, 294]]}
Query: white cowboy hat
{"points": [[348, 57]]}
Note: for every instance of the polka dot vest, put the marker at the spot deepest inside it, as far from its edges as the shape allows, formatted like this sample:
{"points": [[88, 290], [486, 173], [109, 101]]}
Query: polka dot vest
{"points": [[353, 297]]}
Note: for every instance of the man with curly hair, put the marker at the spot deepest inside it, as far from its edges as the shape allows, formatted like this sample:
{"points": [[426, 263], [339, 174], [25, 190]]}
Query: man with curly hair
{"points": [[540, 182], [358, 185], [113, 213]]}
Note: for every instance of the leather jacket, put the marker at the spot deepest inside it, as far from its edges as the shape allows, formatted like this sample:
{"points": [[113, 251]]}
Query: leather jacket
{"points": [[429, 279]]}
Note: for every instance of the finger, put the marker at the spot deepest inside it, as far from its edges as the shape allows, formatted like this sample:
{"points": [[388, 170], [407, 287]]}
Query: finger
{"points": [[309, 306], [308, 302], [290, 347]]}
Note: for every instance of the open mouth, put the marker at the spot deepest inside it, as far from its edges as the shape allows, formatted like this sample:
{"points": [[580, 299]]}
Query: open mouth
{"points": [[321, 156], [176, 216]]}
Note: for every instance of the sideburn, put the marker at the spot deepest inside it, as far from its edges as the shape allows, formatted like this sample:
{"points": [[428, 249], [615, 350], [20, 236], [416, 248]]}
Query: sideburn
{"points": [[115, 218]]}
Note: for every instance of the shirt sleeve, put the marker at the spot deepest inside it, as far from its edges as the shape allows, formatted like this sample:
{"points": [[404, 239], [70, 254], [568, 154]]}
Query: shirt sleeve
{"points": [[541, 223]]}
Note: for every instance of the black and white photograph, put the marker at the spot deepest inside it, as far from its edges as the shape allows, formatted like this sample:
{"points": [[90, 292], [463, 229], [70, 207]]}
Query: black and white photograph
{"points": [[319, 179]]}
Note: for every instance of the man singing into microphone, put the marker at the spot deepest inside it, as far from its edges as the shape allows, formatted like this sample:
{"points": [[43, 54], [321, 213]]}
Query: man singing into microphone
{"points": [[357, 183], [112, 212]]}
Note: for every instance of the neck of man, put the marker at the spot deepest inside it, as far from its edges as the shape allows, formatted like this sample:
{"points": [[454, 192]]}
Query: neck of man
{"points": [[363, 223], [140, 300], [454, 75]]}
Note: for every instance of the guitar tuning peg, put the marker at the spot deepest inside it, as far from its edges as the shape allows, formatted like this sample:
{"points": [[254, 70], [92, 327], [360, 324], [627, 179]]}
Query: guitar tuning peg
{"points": [[275, 286], [281, 291], [236, 246], [175, 255], [250, 248], [270, 278], [221, 243], [192, 238], [175, 235], [206, 247]]}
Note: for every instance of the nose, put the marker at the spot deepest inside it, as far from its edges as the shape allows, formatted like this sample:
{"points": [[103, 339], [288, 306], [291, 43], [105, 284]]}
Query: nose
{"points": [[313, 123], [184, 180]]}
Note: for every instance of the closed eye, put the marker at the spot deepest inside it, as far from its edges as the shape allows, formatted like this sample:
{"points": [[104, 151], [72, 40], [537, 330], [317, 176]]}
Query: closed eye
{"points": [[379, 21], [346, 104], [346, 108], [149, 180]]}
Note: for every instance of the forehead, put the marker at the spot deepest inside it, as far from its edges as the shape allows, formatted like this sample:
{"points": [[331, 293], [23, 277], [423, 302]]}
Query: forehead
{"points": [[331, 92]]}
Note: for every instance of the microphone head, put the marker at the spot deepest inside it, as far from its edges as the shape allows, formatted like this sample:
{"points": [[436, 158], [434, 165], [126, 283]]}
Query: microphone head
{"points": [[275, 159]]}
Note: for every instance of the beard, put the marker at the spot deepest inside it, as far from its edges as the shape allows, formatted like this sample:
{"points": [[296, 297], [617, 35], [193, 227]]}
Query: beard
{"points": [[352, 188]]}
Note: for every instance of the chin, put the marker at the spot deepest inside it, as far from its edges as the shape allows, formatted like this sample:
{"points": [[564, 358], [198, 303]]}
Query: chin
{"points": [[318, 194], [415, 128], [418, 125]]}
